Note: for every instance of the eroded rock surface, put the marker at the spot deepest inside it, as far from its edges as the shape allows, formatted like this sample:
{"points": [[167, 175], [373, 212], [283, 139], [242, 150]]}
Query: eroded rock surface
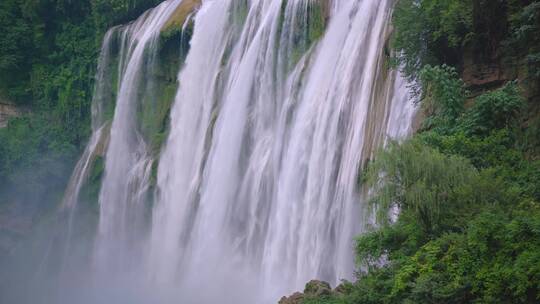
{"points": [[313, 289], [7, 111]]}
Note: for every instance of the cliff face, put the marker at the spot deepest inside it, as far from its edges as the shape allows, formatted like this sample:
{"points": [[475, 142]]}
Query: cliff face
{"points": [[493, 72], [484, 75], [7, 111]]}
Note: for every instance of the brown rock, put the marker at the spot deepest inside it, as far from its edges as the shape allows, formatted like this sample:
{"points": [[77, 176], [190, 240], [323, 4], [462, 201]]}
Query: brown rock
{"points": [[343, 288], [180, 15], [313, 289], [317, 288], [8, 110], [295, 298]]}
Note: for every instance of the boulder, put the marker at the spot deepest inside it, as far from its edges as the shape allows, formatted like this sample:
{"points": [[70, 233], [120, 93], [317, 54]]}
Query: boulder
{"points": [[295, 298], [7, 111], [313, 289], [317, 288]]}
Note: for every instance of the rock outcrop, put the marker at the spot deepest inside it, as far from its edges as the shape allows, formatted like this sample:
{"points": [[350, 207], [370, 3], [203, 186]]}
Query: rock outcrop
{"points": [[8, 110], [313, 289], [178, 18]]}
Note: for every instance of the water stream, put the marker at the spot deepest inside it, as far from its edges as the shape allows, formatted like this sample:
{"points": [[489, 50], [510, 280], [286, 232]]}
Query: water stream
{"points": [[279, 105]]}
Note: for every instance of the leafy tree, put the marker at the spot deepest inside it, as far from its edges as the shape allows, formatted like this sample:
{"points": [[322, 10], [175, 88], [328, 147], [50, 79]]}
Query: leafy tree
{"points": [[458, 205], [48, 57], [443, 95], [494, 110], [431, 32], [524, 40], [17, 46], [414, 178]]}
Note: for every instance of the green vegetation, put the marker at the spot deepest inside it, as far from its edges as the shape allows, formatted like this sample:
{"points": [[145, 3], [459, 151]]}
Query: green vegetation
{"points": [[458, 205], [468, 228], [524, 40], [431, 32], [440, 32], [48, 57], [307, 29], [443, 95], [90, 190]]}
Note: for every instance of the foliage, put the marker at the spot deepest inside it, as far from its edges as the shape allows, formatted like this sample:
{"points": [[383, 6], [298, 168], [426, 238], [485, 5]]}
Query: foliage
{"points": [[439, 32], [494, 110], [443, 95], [468, 228], [307, 29], [458, 204], [107, 13], [414, 178], [430, 32], [18, 43], [524, 39], [34, 163], [48, 55], [494, 259]]}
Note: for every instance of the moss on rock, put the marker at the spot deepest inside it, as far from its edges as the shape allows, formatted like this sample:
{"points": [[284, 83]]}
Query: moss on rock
{"points": [[308, 30], [174, 45], [90, 191], [179, 16]]}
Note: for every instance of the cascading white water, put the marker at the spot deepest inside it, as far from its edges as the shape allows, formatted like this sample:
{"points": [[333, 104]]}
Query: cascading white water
{"points": [[276, 199], [99, 102], [257, 188], [315, 214], [128, 161]]}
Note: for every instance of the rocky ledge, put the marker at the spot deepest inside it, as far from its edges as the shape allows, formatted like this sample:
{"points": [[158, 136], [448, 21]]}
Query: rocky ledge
{"points": [[8, 110], [313, 289]]}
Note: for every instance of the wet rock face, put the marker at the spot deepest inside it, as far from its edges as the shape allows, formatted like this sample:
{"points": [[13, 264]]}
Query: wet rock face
{"points": [[484, 75], [6, 112]]}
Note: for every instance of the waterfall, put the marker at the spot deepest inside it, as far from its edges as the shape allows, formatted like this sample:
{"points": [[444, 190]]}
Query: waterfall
{"points": [[278, 105]]}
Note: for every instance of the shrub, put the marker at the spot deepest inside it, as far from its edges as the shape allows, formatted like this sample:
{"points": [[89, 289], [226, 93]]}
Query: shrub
{"points": [[494, 110], [443, 95], [419, 180], [430, 32]]}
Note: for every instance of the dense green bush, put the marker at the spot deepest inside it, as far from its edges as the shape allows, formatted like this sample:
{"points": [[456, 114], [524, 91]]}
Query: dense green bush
{"points": [[431, 32], [23, 33], [48, 57], [494, 110], [524, 40], [107, 13], [444, 32], [468, 227], [458, 204], [443, 95], [414, 178]]}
